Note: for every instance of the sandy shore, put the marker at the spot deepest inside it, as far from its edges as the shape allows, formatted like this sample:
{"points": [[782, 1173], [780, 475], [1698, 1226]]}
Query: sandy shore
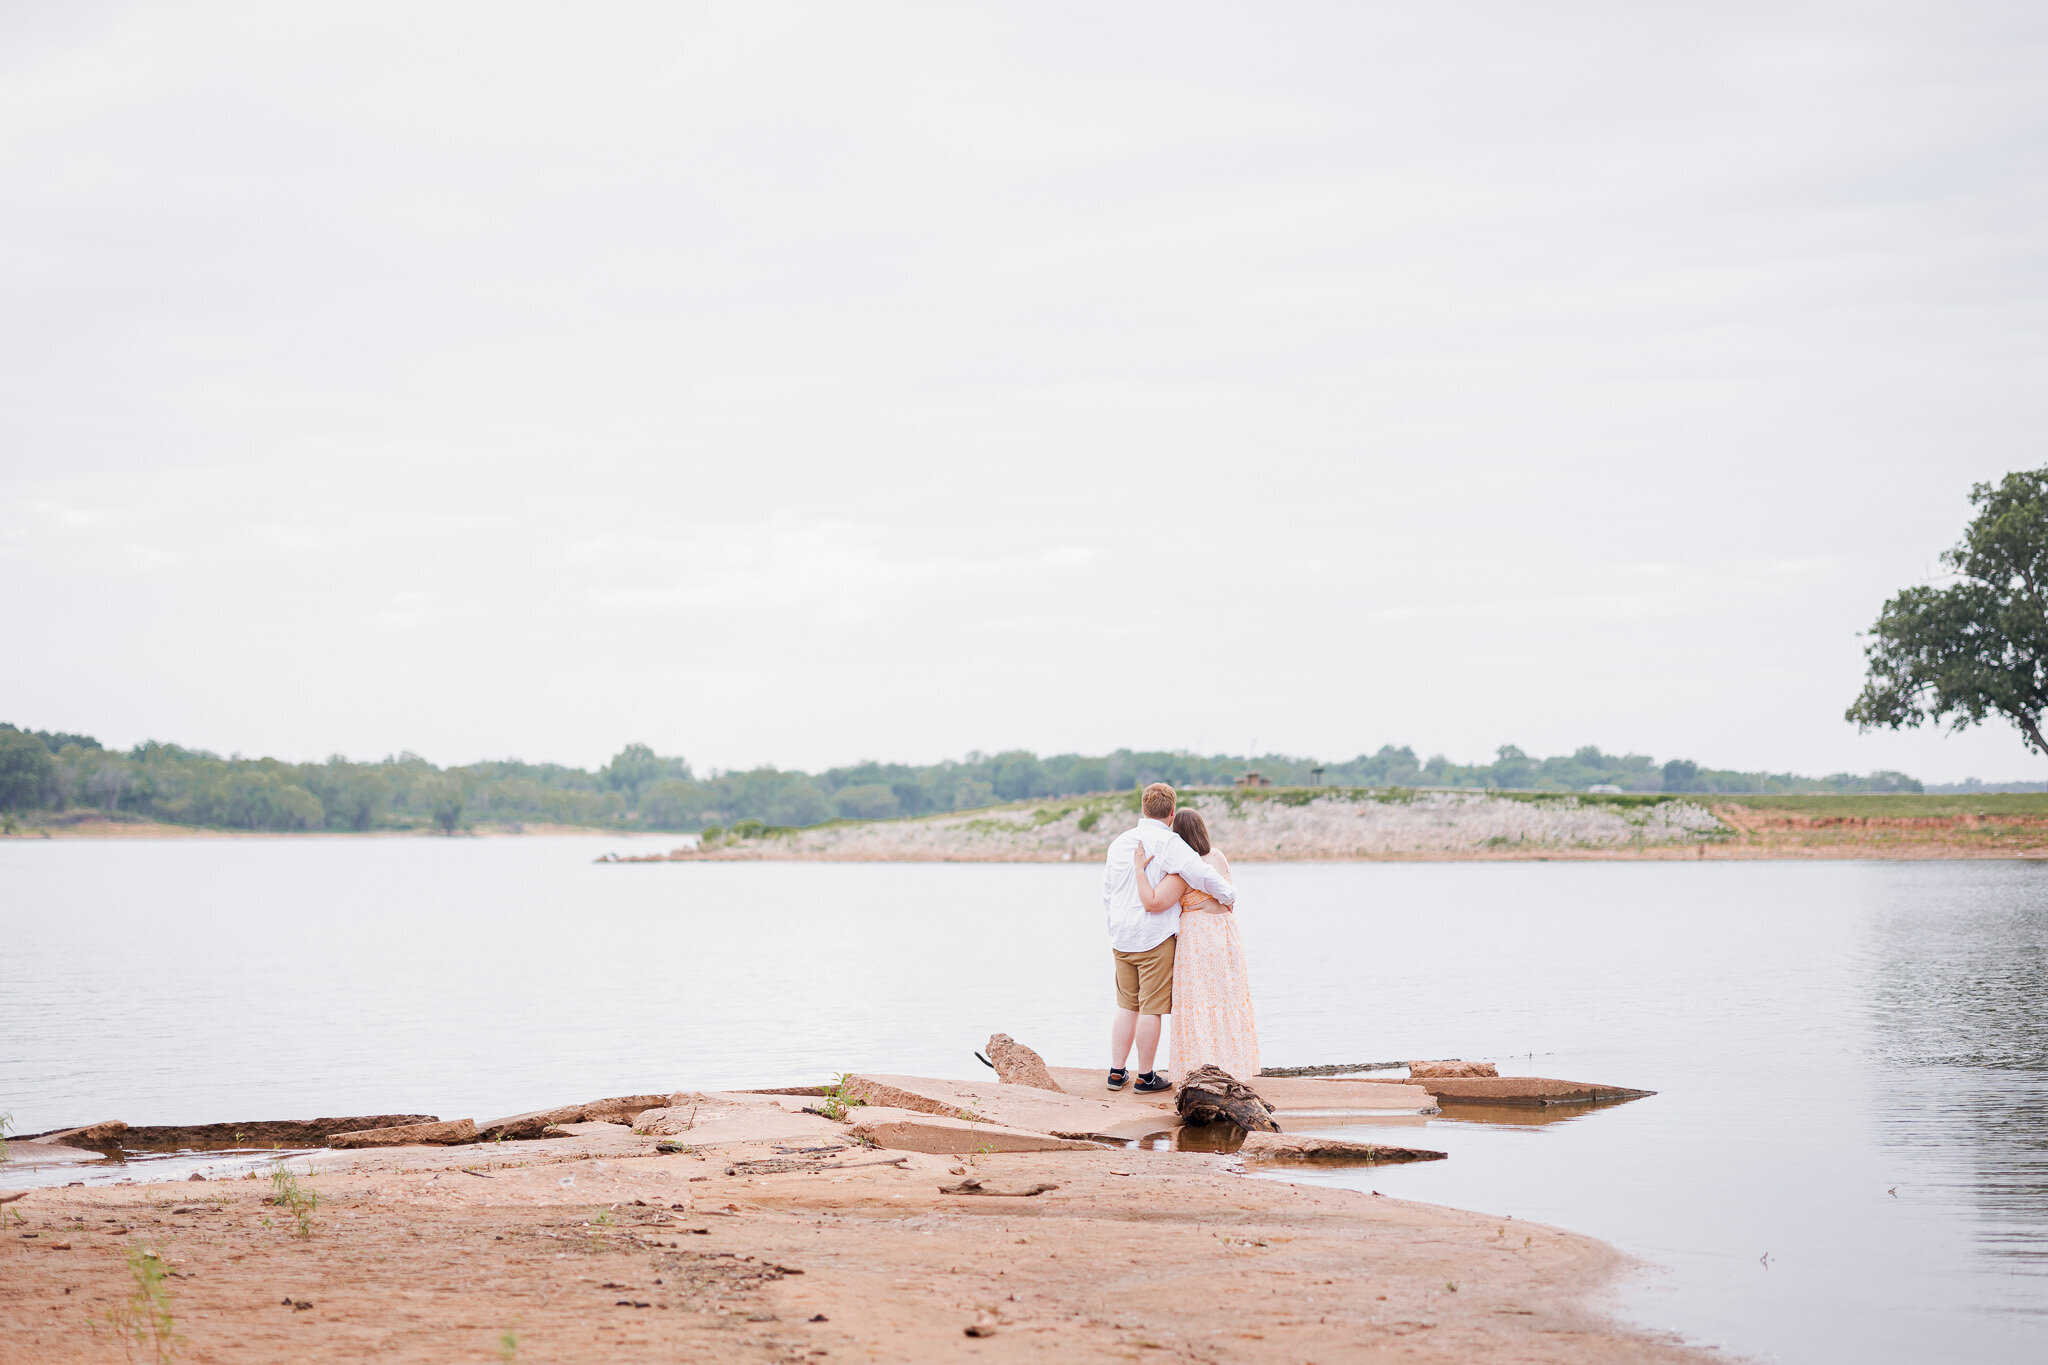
{"points": [[595, 1246]]}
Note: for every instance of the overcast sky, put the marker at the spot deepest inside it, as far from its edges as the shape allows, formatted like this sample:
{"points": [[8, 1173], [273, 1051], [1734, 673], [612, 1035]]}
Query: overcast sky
{"points": [[796, 384]]}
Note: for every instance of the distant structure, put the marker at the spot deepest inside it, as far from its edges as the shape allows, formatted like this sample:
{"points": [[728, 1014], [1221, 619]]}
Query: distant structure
{"points": [[1604, 789], [1253, 779], [1315, 777]]}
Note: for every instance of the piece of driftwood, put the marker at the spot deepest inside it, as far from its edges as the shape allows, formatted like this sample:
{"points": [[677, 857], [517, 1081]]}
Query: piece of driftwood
{"points": [[10, 1198], [971, 1185], [1212, 1095], [778, 1165]]}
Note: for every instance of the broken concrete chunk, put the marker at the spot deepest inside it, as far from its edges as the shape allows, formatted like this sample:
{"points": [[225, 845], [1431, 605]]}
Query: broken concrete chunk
{"points": [[445, 1133], [104, 1134], [523, 1126], [1290, 1147], [907, 1130], [1530, 1090], [623, 1109], [1017, 1064], [1449, 1070]]}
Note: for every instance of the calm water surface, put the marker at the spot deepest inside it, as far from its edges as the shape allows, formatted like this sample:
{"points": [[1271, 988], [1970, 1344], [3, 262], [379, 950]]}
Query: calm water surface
{"points": [[1847, 1159]]}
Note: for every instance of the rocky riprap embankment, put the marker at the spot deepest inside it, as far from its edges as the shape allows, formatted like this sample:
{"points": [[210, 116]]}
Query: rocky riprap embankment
{"points": [[1250, 827]]}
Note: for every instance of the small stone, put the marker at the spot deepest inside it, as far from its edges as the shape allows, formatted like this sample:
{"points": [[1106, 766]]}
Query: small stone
{"points": [[819, 1317], [981, 1329], [195, 1176]]}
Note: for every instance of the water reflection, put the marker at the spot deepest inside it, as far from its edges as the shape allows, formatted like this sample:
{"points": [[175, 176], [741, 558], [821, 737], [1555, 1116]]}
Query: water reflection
{"points": [[1959, 1011], [1526, 1115], [1223, 1138]]}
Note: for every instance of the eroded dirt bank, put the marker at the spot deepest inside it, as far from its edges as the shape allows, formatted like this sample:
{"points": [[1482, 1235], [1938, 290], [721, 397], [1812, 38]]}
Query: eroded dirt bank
{"points": [[596, 1247]]}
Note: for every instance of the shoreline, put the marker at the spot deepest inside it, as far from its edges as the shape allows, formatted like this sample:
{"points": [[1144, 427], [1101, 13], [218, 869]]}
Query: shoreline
{"points": [[767, 1234], [150, 829], [1310, 825]]}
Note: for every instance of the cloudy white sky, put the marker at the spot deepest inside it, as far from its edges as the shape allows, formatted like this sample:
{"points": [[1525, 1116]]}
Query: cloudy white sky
{"points": [[803, 383]]}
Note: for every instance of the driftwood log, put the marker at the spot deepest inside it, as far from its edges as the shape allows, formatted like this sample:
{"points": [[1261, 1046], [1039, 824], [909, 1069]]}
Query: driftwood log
{"points": [[971, 1185], [1212, 1095]]}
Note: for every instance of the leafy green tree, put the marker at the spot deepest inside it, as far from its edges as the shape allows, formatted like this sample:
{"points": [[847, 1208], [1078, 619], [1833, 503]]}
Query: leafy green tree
{"points": [[1978, 648], [28, 773], [870, 801], [441, 797], [673, 804], [1016, 775], [1512, 768]]}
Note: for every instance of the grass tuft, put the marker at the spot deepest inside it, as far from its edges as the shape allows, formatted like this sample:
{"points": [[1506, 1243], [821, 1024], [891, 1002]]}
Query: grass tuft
{"points": [[287, 1192], [146, 1317], [836, 1102]]}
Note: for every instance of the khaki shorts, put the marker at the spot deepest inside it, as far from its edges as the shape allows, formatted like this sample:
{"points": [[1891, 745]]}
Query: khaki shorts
{"points": [[1144, 981]]}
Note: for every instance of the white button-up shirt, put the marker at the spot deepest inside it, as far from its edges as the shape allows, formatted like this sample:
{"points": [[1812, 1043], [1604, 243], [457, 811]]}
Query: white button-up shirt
{"points": [[1133, 928]]}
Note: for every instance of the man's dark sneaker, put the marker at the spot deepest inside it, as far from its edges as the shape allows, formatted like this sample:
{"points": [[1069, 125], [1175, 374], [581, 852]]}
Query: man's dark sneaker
{"points": [[1151, 1082], [1119, 1078]]}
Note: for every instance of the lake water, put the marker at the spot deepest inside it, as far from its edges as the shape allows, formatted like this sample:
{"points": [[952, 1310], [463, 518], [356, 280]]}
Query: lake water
{"points": [[1847, 1159]]}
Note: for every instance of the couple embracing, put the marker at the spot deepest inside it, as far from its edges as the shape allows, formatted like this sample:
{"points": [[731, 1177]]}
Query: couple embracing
{"points": [[1173, 930]]}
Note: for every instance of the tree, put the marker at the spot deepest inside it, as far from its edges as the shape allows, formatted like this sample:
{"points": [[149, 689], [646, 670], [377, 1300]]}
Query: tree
{"points": [[672, 804], [27, 772], [442, 798], [868, 801], [1979, 648]]}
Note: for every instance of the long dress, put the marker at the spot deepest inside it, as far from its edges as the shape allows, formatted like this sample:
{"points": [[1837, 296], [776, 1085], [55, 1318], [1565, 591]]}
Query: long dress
{"points": [[1212, 993]]}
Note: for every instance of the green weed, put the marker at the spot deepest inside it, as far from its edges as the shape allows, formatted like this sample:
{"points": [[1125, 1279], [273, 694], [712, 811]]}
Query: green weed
{"points": [[837, 1102], [6, 1122], [146, 1317], [508, 1348], [287, 1192]]}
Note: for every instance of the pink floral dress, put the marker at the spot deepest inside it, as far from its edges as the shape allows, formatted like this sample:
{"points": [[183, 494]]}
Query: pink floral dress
{"points": [[1212, 993]]}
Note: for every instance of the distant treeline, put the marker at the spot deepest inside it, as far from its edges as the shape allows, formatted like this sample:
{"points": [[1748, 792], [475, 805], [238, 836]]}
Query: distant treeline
{"points": [[640, 789]]}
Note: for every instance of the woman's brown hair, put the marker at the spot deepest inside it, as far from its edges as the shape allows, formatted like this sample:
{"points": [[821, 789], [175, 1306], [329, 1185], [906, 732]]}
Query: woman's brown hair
{"points": [[1188, 825]]}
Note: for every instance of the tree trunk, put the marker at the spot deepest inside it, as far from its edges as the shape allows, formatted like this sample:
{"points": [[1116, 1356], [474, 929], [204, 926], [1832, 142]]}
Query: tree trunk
{"points": [[1213, 1095]]}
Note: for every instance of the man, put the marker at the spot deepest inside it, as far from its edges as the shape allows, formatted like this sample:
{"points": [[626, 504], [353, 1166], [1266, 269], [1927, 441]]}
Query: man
{"points": [[1143, 940]]}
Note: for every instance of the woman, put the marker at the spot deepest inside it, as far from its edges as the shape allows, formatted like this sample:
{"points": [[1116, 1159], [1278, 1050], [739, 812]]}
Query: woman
{"points": [[1212, 991]]}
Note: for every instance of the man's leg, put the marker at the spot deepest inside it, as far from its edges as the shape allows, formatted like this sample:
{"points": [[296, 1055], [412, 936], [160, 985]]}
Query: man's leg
{"points": [[1125, 1026], [1121, 1033], [1155, 990], [1148, 1041]]}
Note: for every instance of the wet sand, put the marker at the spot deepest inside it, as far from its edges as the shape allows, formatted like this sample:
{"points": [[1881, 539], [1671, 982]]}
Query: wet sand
{"points": [[595, 1246]]}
